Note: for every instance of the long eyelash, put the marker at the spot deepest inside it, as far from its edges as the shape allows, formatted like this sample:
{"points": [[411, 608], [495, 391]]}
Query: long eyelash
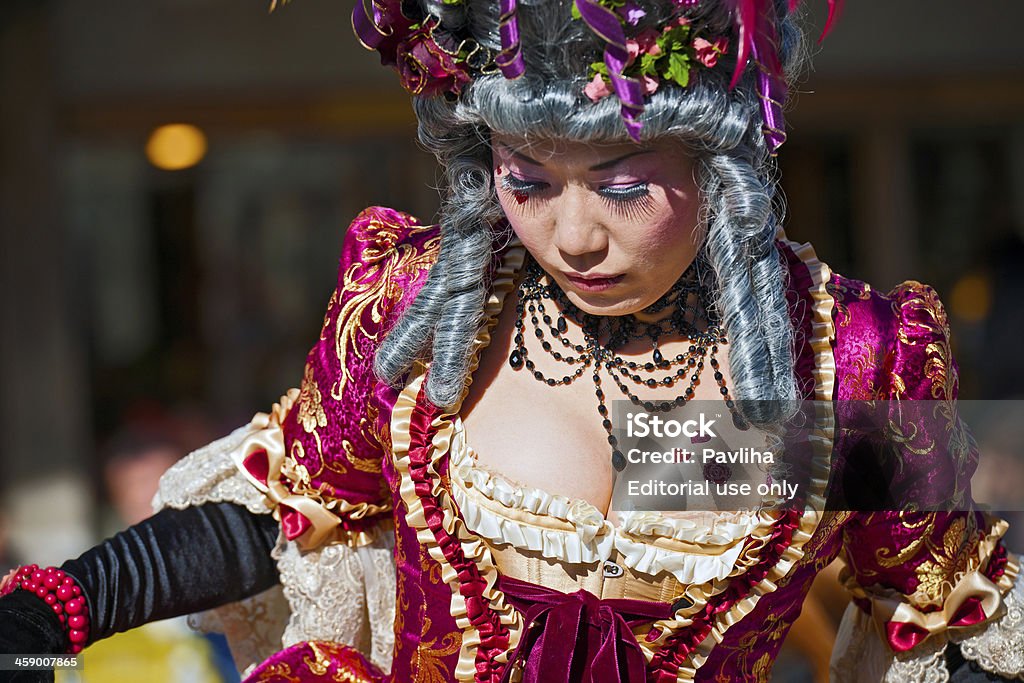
{"points": [[519, 190], [633, 204]]}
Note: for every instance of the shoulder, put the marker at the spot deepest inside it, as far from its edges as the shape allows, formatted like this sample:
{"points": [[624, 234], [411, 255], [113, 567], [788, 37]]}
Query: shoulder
{"points": [[893, 344], [383, 239]]}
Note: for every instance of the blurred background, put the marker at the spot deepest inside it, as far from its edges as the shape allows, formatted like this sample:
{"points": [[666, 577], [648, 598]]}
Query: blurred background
{"points": [[176, 177]]}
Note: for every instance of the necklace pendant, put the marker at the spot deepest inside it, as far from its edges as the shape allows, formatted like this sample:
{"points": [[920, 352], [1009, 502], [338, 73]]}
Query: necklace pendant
{"points": [[618, 460], [658, 358], [515, 359]]}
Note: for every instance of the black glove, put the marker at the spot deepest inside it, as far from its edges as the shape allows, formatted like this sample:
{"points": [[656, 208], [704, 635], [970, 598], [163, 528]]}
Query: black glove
{"points": [[176, 562]]}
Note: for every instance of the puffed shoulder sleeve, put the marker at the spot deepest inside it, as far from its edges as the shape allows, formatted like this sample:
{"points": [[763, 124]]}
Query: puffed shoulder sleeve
{"points": [[317, 456], [927, 572]]}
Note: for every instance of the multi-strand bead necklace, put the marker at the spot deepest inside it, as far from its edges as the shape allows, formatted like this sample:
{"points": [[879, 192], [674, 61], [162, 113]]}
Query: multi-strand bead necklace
{"points": [[604, 336]]}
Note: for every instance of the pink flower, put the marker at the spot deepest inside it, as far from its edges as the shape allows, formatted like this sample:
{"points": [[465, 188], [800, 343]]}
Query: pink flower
{"points": [[707, 52], [633, 48], [648, 42], [426, 68], [649, 84], [632, 13], [597, 89]]}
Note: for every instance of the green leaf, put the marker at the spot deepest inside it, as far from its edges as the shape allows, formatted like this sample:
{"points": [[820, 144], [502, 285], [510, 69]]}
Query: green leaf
{"points": [[678, 69], [576, 11]]}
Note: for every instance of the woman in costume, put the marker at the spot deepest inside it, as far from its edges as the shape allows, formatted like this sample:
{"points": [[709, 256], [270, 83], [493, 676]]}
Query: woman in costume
{"points": [[434, 503]]}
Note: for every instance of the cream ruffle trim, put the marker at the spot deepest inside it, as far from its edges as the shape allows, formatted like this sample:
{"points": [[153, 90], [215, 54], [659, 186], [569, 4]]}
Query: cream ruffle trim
{"points": [[576, 532]]}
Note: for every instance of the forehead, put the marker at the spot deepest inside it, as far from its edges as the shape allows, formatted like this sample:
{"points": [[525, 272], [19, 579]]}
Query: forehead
{"points": [[551, 152]]}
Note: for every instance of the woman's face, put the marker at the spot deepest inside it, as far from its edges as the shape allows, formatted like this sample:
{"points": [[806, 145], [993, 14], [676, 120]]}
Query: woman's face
{"points": [[614, 225]]}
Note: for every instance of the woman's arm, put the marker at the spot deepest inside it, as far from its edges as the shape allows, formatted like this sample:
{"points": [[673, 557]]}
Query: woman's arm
{"points": [[176, 562]]}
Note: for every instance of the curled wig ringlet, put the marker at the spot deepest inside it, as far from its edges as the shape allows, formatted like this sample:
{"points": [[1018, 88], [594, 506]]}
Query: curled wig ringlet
{"points": [[720, 126]]}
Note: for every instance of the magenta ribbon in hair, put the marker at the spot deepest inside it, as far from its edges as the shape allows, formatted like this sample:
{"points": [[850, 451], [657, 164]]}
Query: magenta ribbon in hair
{"points": [[577, 637], [607, 26], [758, 40], [510, 59]]}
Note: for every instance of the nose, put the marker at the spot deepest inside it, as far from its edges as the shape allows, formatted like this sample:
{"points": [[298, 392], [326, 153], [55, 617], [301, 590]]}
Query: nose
{"points": [[578, 229]]}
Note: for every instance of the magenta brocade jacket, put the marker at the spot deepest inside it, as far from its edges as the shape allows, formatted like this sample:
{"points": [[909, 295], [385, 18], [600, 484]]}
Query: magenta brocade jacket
{"points": [[487, 572]]}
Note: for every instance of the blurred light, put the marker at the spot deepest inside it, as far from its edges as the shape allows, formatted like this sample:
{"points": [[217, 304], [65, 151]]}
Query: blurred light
{"points": [[176, 146], [972, 298]]}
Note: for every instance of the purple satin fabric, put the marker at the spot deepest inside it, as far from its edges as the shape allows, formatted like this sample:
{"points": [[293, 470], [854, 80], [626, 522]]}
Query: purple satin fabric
{"points": [[577, 637]]}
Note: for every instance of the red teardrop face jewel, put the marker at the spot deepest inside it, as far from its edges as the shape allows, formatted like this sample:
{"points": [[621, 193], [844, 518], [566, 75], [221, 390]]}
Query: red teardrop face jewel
{"points": [[520, 197], [497, 171]]}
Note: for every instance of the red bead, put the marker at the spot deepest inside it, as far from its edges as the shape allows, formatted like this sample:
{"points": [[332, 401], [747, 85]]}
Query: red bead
{"points": [[76, 636], [29, 585], [76, 590], [77, 621], [57, 609], [67, 581], [41, 591], [50, 598], [74, 606], [64, 593], [51, 581], [37, 575]]}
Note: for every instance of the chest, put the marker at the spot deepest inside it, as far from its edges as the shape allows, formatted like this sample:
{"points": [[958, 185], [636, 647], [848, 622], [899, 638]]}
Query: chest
{"points": [[556, 438]]}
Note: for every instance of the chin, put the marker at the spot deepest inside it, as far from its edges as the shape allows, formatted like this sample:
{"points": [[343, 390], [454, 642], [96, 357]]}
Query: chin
{"points": [[606, 304]]}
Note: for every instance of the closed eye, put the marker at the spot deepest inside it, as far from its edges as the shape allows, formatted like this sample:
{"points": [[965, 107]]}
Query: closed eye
{"points": [[521, 186]]}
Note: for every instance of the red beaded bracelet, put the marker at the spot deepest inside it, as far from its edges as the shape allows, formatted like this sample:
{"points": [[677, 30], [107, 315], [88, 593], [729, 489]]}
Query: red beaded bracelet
{"points": [[59, 590]]}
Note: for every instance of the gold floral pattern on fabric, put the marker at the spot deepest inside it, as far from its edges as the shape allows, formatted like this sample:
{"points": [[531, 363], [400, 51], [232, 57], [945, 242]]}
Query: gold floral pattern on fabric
{"points": [[372, 286], [310, 404], [923, 527], [428, 665], [845, 290], [947, 563]]}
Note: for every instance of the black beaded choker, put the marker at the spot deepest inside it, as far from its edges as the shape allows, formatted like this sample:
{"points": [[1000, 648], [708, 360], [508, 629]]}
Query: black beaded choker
{"points": [[603, 336]]}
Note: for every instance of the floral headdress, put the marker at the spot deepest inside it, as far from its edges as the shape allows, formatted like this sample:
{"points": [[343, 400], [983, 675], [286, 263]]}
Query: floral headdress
{"points": [[432, 60]]}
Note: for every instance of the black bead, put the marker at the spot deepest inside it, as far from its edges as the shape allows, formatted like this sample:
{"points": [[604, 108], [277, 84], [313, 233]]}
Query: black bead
{"points": [[718, 376], [539, 332], [567, 379], [658, 358], [612, 440], [648, 406], [547, 319], [562, 325], [551, 382], [529, 364], [667, 381], [546, 345], [666, 406], [652, 383], [515, 360], [538, 375], [607, 424], [648, 367], [557, 356], [602, 409], [724, 391], [618, 460]]}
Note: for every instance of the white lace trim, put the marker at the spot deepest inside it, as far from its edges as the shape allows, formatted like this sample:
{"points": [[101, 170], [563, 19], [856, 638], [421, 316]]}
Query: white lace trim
{"points": [[334, 593], [1000, 647], [341, 594], [209, 475], [861, 656]]}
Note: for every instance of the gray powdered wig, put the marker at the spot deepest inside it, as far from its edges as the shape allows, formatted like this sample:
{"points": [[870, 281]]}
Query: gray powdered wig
{"points": [[736, 178]]}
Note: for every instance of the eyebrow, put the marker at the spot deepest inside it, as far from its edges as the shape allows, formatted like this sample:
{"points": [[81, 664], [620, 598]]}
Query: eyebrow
{"points": [[599, 167]]}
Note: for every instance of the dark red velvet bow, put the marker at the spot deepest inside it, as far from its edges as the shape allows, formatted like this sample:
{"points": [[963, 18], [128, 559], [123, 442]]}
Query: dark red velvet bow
{"points": [[577, 637]]}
